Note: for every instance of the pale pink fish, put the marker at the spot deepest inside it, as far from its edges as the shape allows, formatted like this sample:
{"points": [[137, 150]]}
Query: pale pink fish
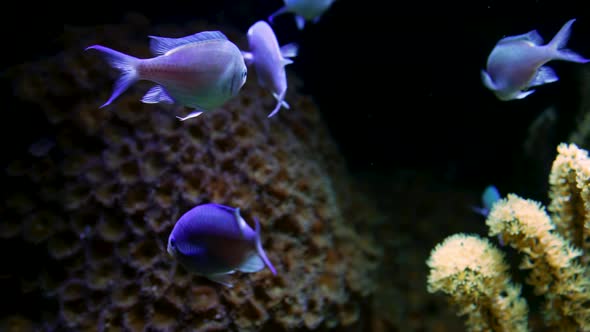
{"points": [[269, 61], [517, 63], [200, 71]]}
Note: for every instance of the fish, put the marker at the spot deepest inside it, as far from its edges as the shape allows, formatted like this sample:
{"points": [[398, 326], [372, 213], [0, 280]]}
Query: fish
{"points": [[489, 197], [304, 10], [214, 241], [517, 63], [201, 71], [269, 61]]}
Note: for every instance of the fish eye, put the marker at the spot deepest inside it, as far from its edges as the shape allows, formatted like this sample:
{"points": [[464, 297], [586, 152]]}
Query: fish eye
{"points": [[244, 74], [172, 243]]}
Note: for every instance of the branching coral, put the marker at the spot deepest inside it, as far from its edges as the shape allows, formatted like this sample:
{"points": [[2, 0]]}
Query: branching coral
{"points": [[549, 245], [122, 176], [478, 283]]}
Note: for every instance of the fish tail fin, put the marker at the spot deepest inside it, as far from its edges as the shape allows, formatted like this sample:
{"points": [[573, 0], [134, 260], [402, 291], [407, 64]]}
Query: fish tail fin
{"points": [[260, 250], [125, 63], [280, 103], [557, 44]]}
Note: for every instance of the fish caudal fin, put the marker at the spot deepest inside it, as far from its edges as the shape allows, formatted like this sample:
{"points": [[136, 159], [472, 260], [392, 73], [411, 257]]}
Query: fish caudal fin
{"points": [[260, 250], [280, 103], [123, 62], [560, 40]]}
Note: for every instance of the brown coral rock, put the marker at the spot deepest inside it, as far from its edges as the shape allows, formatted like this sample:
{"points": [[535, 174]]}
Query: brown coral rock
{"points": [[124, 174]]}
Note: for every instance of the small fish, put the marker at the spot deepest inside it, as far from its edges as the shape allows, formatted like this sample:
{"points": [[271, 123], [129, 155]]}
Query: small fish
{"points": [[269, 61], [214, 241], [489, 197], [200, 71], [304, 10], [517, 63]]}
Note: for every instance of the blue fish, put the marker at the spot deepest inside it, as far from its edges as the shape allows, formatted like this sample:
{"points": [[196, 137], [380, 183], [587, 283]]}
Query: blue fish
{"points": [[269, 61], [304, 10], [214, 241], [200, 71], [489, 197], [517, 63]]}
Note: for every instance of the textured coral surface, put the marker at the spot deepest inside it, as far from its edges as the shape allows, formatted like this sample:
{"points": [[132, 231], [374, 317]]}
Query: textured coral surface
{"points": [[96, 210]]}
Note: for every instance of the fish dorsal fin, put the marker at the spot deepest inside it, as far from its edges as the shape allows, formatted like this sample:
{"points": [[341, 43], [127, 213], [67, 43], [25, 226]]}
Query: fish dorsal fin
{"points": [[532, 36], [163, 45]]}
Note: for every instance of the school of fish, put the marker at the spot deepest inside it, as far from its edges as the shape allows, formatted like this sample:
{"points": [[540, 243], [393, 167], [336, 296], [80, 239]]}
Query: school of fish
{"points": [[203, 71]]}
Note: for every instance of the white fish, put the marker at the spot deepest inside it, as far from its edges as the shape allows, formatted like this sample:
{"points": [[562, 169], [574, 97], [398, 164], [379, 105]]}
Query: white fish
{"points": [[200, 71], [269, 61], [517, 63], [304, 10]]}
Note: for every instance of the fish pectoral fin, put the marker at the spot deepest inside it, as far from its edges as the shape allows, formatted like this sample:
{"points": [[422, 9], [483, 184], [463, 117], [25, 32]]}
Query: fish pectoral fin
{"points": [[285, 62], [248, 58], [289, 50], [487, 80], [191, 115], [163, 45], [544, 75], [242, 225], [157, 94], [223, 278], [252, 264], [523, 94]]}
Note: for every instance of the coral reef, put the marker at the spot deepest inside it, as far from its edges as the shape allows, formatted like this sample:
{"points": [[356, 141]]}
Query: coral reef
{"points": [[100, 205], [478, 283], [549, 244]]}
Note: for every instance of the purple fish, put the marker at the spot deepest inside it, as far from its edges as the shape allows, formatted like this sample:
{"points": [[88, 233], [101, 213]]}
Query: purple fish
{"points": [[201, 71], [304, 10], [269, 61], [214, 241], [516, 63]]}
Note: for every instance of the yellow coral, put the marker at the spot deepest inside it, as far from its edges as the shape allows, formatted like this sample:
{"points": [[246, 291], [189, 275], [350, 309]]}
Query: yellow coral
{"points": [[474, 274], [570, 196], [553, 261]]}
